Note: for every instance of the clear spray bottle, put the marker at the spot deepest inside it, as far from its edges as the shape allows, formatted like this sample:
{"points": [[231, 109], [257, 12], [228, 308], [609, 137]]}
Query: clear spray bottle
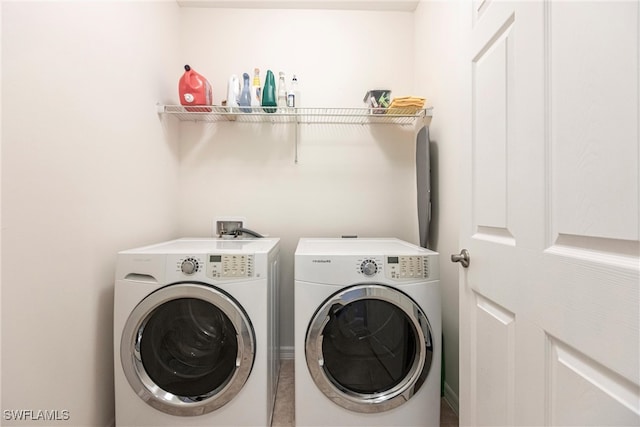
{"points": [[282, 93]]}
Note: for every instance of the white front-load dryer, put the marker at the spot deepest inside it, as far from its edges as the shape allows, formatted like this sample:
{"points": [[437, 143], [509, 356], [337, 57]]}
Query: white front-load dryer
{"points": [[367, 333], [195, 333]]}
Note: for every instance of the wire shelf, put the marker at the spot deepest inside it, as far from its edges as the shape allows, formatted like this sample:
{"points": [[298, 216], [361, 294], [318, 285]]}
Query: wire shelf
{"points": [[299, 115]]}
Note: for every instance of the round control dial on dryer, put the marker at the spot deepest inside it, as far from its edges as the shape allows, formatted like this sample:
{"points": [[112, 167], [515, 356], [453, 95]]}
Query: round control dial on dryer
{"points": [[189, 266], [369, 267]]}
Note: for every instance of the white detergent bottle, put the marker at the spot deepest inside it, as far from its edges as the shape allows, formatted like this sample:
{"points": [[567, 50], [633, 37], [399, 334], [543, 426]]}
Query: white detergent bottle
{"points": [[233, 93], [293, 94]]}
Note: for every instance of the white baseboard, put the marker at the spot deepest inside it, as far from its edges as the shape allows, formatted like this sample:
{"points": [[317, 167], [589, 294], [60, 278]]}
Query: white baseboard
{"points": [[452, 398], [287, 352]]}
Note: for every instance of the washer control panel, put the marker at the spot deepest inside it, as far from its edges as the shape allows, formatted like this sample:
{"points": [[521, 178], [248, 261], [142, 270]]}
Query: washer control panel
{"points": [[407, 267], [229, 266]]}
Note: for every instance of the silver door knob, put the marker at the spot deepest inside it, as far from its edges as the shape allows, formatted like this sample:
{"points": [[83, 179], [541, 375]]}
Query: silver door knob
{"points": [[463, 258]]}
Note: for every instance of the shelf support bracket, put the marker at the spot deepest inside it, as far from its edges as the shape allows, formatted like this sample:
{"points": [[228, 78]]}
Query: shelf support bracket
{"points": [[296, 130]]}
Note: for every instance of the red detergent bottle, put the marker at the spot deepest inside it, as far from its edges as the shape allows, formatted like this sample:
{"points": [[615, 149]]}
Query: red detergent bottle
{"points": [[194, 89]]}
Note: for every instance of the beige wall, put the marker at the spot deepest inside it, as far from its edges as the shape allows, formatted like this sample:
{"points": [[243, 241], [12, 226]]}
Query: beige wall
{"points": [[87, 170]]}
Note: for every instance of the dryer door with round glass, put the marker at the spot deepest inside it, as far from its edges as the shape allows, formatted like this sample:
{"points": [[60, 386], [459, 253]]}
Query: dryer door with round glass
{"points": [[187, 349], [369, 348]]}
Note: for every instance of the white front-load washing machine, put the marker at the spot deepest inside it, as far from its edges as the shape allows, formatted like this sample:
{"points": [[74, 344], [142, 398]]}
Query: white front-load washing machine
{"points": [[195, 333], [367, 333]]}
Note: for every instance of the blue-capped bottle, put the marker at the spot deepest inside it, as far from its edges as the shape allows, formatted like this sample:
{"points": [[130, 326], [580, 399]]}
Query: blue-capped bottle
{"points": [[245, 95]]}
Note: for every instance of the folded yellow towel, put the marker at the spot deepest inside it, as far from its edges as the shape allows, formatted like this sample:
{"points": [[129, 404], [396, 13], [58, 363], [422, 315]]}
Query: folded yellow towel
{"points": [[406, 105], [407, 101]]}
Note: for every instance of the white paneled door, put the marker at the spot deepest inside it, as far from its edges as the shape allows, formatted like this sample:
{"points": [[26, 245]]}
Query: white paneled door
{"points": [[549, 322]]}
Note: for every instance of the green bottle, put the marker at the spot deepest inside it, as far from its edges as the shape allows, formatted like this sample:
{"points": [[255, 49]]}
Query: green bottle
{"points": [[269, 93]]}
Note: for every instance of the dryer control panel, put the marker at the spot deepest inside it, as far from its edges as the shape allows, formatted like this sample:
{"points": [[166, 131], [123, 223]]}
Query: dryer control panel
{"points": [[230, 266], [407, 267]]}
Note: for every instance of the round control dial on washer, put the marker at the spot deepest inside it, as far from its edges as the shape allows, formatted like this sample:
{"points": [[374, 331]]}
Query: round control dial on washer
{"points": [[369, 267], [189, 266]]}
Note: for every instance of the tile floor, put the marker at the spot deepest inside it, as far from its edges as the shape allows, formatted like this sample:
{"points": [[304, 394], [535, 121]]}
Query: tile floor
{"points": [[283, 414]]}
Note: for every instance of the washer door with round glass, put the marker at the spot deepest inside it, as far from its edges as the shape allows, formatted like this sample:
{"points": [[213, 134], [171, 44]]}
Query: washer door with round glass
{"points": [[369, 348], [187, 349]]}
